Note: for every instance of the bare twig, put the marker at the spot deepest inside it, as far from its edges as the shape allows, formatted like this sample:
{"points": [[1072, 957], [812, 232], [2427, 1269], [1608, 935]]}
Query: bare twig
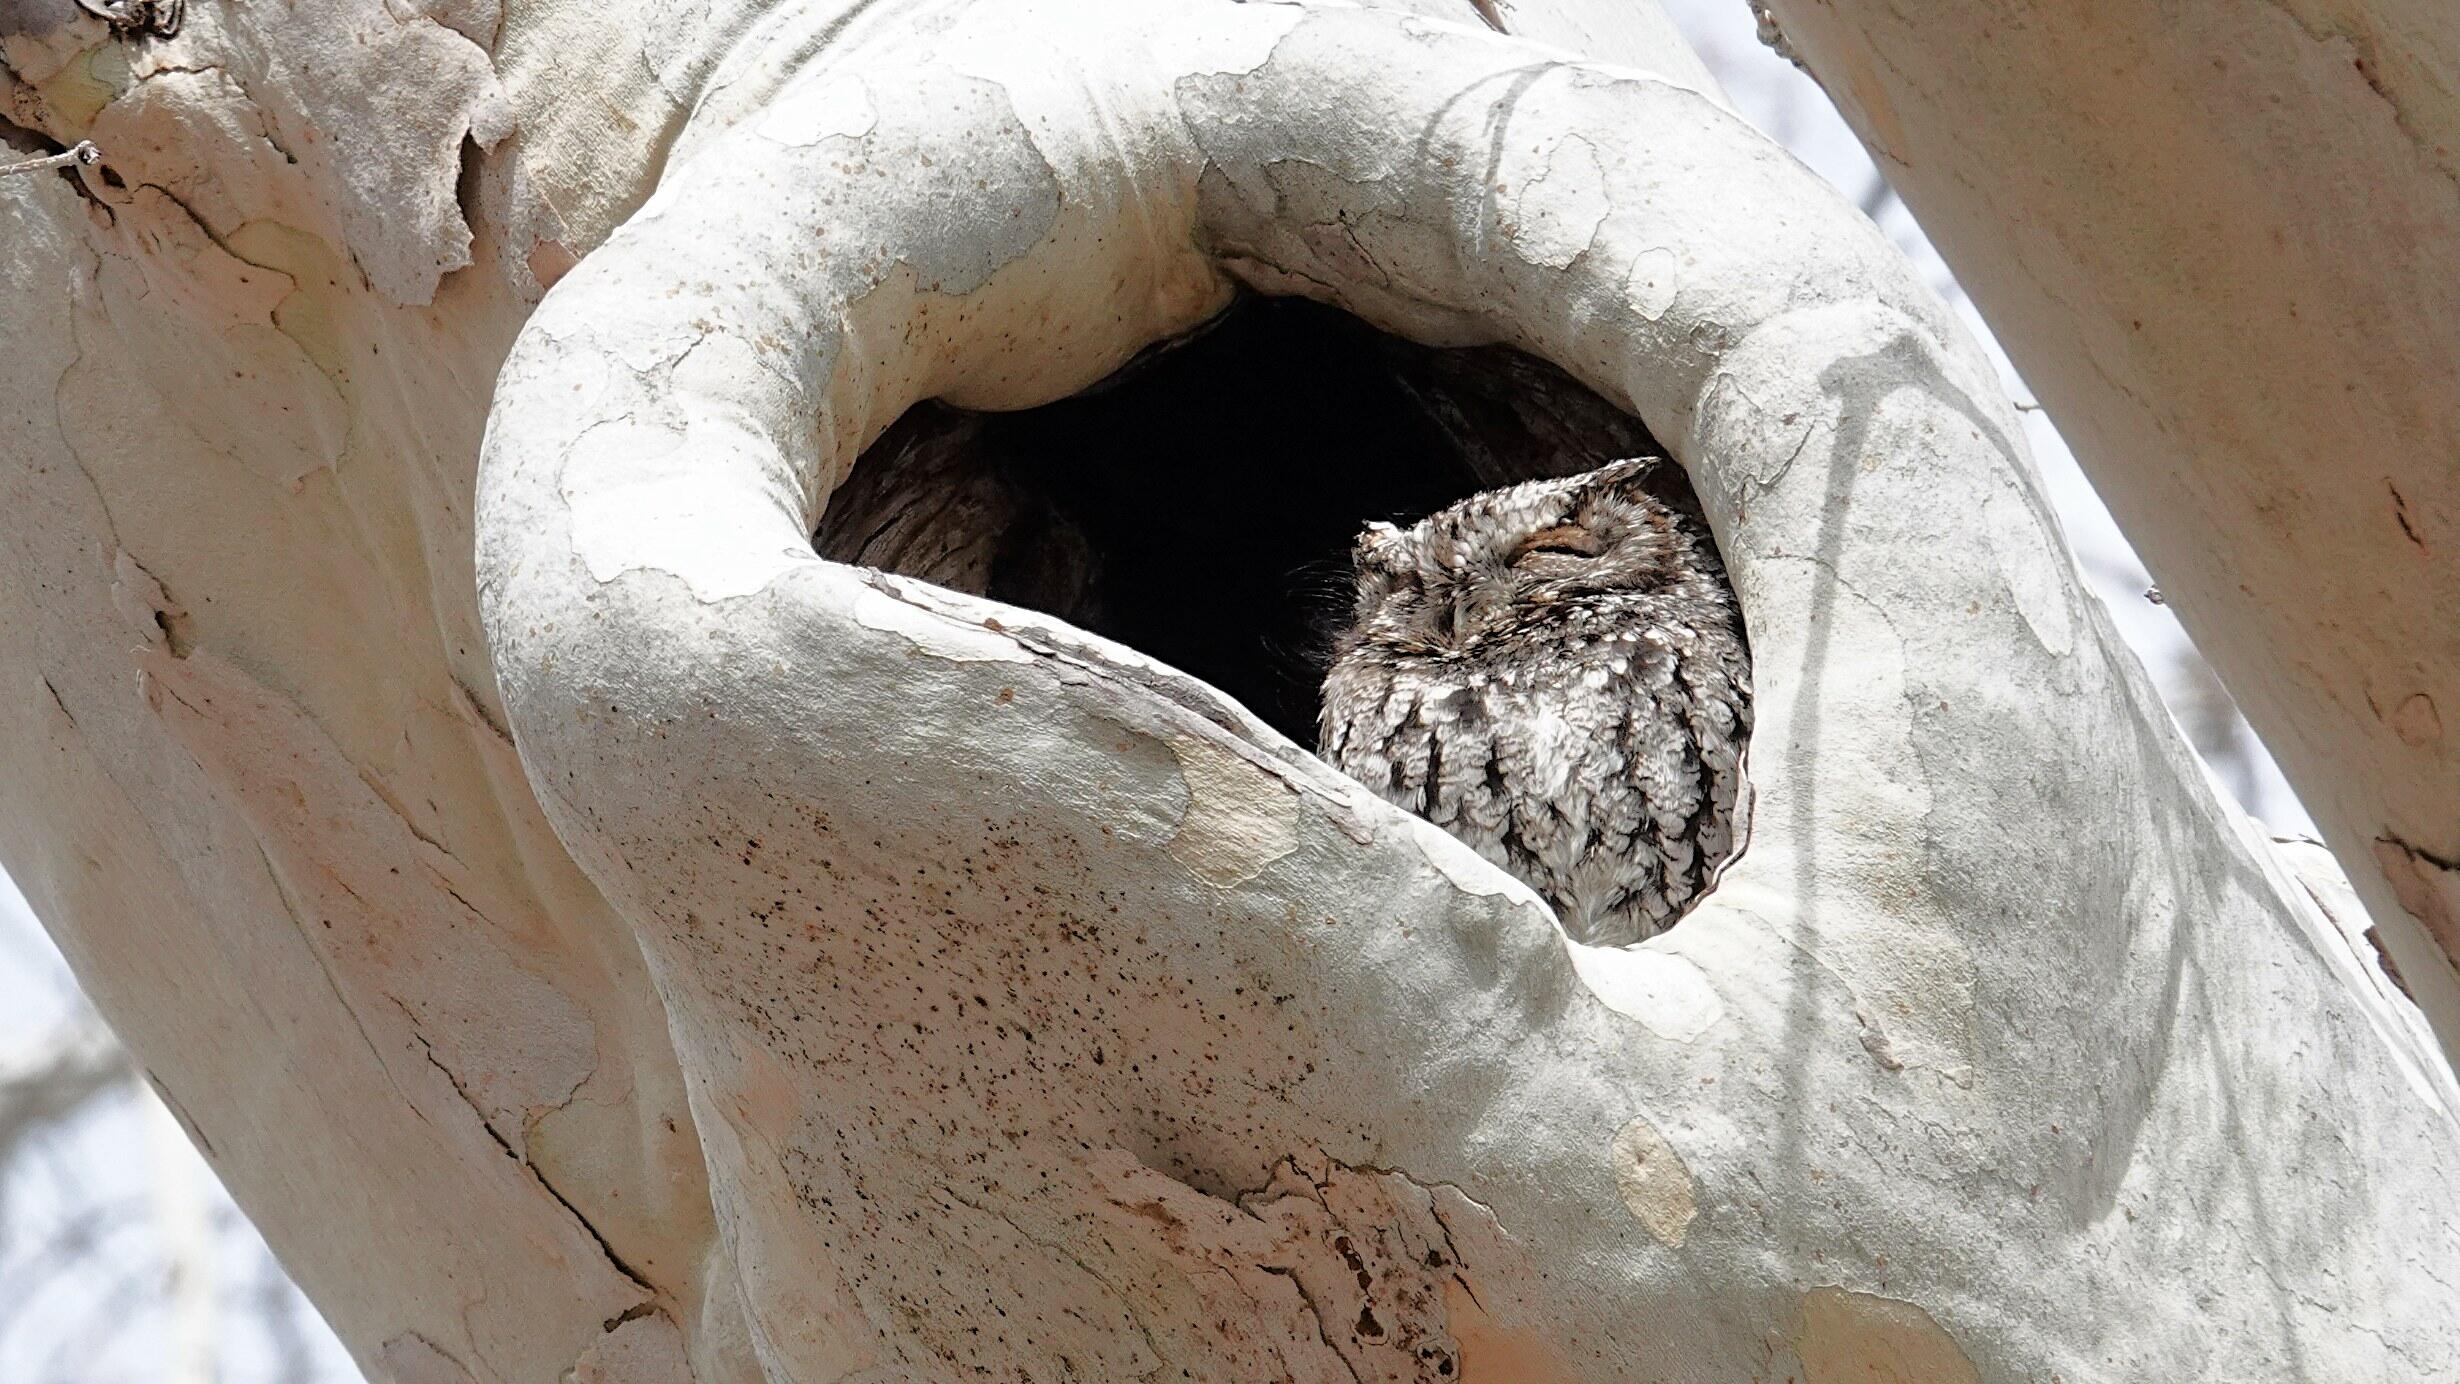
{"points": [[82, 153], [51, 1079], [183, 1221], [159, 18], [1877, 197]]}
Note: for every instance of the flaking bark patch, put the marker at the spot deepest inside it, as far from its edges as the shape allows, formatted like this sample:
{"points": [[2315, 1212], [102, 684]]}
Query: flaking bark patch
{"points": [[1857, 1338], [1346, 1275], [1239, 819]]}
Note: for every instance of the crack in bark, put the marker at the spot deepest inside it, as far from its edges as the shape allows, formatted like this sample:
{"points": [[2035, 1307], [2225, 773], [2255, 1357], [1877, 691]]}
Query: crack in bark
{"points": [[1067, 1252], [2426, 884], [2362, 60], [1315, 1311], [643, 1308], [638, 1310], [54, 690], [476, 706], [1328, 1262], [2400, 513]]}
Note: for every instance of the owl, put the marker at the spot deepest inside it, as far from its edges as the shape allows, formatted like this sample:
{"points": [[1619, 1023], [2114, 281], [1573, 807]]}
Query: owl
{"points": [[1555, 673]]}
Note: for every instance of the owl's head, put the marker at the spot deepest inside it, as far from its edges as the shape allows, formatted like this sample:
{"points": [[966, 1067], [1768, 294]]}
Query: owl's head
{"points": [[1503, 561]]}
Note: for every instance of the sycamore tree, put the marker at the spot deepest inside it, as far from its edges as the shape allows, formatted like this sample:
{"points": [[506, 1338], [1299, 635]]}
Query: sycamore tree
{"points": [[2217, 240], [604, 926]]}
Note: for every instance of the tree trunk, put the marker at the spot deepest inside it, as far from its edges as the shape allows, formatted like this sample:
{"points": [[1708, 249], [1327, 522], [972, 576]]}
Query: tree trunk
{"points": [[595, 935], [2218, 239]]}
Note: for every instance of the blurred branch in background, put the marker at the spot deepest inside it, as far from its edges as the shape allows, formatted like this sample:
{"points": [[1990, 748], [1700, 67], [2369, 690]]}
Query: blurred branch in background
{"points": [[2203, 707], [51, 1078], [1877, 197], [121, 1258]]}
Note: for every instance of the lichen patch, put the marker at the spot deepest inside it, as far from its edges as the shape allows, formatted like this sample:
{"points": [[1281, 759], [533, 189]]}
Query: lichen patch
{"points": [[1657, 1189]]}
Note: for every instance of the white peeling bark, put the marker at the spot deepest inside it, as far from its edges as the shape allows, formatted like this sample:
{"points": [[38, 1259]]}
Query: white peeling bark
{"points": [[1017, 1002], [2218, 239], [248, 769], [1041, 1007]]}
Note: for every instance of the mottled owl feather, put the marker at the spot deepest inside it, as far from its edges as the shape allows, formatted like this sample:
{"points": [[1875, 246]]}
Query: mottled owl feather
{"points": [[1556, 674]]}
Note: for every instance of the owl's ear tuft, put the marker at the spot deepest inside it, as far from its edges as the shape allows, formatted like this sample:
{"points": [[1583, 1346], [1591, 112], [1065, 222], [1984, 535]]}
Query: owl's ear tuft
{"points": [[1628, 476], [1630, 488], [1378, 548]]}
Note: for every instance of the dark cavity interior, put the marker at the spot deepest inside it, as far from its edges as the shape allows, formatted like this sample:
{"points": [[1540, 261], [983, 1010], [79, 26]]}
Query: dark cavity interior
{"points": [[1199, 504]]}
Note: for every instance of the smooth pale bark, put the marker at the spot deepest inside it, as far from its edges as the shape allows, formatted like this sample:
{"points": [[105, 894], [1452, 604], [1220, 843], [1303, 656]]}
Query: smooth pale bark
{"points": [[2218, 238], [1100, 1032]]}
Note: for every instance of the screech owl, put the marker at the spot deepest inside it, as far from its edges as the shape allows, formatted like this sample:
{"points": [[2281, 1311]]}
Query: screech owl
{"points": [[1555, 673]]}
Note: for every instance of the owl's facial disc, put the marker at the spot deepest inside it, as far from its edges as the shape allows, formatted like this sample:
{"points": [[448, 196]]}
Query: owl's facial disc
{"points": [[1501, 562], [1553, 558], [1610, 542], [1560, 542]]}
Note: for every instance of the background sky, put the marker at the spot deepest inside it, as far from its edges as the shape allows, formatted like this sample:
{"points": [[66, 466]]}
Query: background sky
{"points": [[121, 1259]]}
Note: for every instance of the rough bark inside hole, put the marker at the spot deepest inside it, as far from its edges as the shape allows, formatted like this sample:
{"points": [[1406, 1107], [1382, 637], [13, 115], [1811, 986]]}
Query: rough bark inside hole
{"points": [[1199, 505]]}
